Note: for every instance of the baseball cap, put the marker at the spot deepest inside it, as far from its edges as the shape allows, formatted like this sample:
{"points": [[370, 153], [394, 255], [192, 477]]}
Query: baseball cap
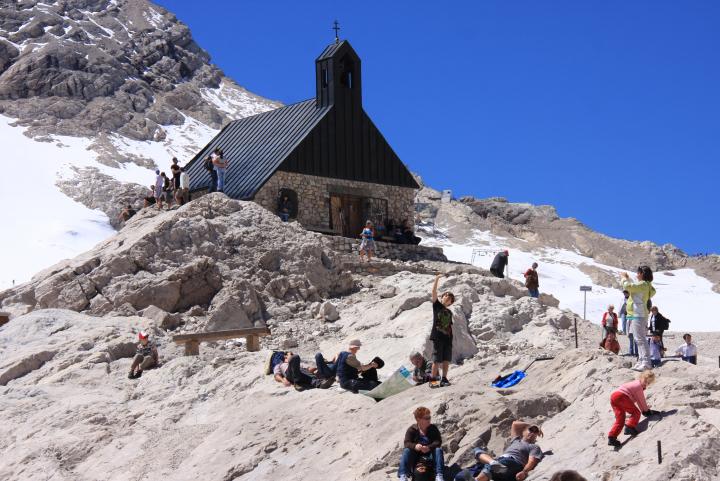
{"points": [[355, 343]]}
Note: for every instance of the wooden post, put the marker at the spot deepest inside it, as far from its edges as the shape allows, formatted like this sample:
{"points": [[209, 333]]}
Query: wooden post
{"points": [[253, 343], [192, 348], [659, 447]]}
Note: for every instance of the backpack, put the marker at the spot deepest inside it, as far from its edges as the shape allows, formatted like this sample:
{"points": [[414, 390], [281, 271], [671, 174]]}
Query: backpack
{"points": [[662, 324], [276, 357], [209, 165]]}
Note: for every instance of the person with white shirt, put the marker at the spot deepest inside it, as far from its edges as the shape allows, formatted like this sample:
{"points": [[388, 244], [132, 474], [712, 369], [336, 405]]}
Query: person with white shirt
{"points": [[688, 351], [184, 186]]}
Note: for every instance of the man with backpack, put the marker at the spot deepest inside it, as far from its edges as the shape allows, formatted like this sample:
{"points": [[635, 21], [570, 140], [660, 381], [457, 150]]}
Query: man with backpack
{"points": [[658, 323], [210, 167], [497, 268]]}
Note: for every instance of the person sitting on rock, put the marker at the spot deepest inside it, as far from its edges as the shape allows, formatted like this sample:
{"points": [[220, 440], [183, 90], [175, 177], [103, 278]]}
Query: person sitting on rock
{"points": [[285, 208], [623, 401], [656, 349], [610, 343], [422, 444], [521, 456], [146, 356], [423, 369], [149, 200], [609, 321], [497, 268], [354, 375], [441, 334], [291, 373], [658, 323], [687, 351], [127, 213]]}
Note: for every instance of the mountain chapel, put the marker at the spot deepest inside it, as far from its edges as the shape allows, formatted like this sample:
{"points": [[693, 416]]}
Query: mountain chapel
{"points": [[324, 153]]}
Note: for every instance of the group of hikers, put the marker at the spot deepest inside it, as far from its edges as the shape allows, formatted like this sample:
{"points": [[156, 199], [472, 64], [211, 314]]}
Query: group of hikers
{"points": [[174, 189]]}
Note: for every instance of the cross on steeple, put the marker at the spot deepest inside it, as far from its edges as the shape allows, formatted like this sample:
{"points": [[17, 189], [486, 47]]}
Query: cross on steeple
{"points": [[336, 27]]}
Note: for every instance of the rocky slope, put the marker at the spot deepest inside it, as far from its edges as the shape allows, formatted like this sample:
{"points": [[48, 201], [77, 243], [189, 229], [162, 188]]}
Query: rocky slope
{"points": [[71, 412], [540, 227]]}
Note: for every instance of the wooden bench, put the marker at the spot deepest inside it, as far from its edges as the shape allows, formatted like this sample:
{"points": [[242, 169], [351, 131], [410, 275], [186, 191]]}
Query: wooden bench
{"points": [[4, 318], [192, 341]]}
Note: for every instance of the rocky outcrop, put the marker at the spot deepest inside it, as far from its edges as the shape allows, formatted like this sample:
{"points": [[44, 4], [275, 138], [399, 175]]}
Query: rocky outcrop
{"points": [[116, 66]]}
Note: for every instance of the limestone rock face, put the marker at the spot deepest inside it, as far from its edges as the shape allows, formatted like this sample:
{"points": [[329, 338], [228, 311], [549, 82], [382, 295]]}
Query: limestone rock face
{"points": [[113, 66], [232, 259]]}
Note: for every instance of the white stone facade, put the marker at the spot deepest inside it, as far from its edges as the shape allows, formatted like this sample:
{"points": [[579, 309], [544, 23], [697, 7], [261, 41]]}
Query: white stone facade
{"points": [[314, 197]]}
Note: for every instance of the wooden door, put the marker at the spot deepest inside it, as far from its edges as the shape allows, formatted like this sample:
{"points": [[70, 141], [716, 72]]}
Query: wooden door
{"points": [[346, 215]]}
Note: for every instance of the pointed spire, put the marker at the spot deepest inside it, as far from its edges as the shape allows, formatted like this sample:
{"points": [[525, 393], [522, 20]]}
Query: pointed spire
{"points": [[336, 27]]}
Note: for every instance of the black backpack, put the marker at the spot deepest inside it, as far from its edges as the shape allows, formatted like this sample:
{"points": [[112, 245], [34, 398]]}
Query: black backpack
{"points": [[209, 165], [662, 323]]}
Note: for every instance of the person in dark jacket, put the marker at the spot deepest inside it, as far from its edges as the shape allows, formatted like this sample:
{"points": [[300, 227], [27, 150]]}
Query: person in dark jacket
{"points": [[354, 375], [441, 334], [658, 323], [532, 282], [497, 268], [210, 167], [422, 446]]}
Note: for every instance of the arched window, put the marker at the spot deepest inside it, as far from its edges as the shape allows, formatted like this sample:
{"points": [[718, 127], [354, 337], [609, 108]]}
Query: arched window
{"points": [[288, 201]]}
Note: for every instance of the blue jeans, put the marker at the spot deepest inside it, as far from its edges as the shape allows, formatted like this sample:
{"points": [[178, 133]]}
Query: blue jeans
{"points": [[213, 181], [623, 319], [470, 474], [285, 216], [220, 178], [633, 345], [534, 292], [409, 459], [324, 370]]}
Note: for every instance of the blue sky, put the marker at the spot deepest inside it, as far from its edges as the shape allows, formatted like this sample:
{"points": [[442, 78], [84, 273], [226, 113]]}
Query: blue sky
{"points": [[607, 110]]}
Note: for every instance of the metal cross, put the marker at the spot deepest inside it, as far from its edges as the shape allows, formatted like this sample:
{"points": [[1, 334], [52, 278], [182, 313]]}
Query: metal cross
{"points": [[336, 27]]}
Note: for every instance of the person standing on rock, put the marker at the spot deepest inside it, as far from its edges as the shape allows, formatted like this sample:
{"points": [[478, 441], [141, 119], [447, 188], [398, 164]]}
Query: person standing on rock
{"points": [[441, 334], [350, 370], [210, 167], [367, 245], [159, 181], [609, 321], [623, 317], [146, 356], [637, 311], [658, 323], [422, 445], [175, 170], [520, 457], [184, 186], [532, 282], [221, 165], [497, 268], [624, 400]]}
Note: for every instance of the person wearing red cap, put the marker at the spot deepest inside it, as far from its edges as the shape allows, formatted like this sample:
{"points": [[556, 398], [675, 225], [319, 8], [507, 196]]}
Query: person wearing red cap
{"points": [[497, 268], [146, 356]]}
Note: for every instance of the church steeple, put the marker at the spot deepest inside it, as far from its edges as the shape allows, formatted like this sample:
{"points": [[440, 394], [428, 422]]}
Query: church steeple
{"points": [[338, 75]]}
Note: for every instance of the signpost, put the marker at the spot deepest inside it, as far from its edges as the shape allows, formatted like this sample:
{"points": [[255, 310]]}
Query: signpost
{"points": [[584, 290]]}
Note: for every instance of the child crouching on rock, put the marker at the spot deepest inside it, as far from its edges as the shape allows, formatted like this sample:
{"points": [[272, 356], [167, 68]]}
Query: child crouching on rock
{"points": [[624, 400], [146, 356]]}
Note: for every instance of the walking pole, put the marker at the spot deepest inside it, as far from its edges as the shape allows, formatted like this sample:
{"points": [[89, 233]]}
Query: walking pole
{"points": [[659, 447], [576, 340], [584, 290]]}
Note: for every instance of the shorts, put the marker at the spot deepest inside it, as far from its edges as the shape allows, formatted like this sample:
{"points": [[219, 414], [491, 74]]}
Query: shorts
{"points": [[442, 350], [367, 245]]}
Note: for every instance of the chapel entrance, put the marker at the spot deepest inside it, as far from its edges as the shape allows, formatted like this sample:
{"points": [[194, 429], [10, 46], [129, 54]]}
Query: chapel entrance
{"points": [[346, 214]]}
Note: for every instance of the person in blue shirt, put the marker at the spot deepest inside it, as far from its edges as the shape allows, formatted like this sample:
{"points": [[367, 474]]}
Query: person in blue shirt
{"points": [[367, 245]]}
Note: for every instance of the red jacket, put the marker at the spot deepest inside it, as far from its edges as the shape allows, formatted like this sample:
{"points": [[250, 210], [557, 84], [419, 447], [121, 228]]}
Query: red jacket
{"points": [[612, 346], [614, 321]]}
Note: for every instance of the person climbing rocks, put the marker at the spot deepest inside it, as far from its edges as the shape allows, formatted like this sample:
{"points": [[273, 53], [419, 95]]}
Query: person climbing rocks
{"points": [[609, 321], [637, 310], [657, 350], [610, 343], [532, 282], [367, 245], [221, 165], [422, 371], [354, 375], [687, 351], [422, 447], [149, 199], [441, 334], [146, 356], [497, 268], [521, 456], [290, 372], [624, 401], [658, 323]]}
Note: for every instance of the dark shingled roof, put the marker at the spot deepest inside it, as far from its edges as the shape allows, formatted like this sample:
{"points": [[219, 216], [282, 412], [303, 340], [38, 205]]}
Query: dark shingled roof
{"points": [[256, 146], [331, 49]]}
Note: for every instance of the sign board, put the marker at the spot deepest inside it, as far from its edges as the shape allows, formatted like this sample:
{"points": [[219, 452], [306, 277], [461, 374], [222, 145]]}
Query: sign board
{"points": [[586, 288]]}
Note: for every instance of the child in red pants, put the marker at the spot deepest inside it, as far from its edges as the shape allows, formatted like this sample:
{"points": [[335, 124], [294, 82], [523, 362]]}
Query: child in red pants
{"points": [[623, 401]]}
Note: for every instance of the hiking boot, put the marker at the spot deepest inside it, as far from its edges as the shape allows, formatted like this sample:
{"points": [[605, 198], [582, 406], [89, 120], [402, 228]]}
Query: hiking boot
{"points": [[444, 382], [131, 376], [641, 366], [326, 383], [631, 431], [434, 384], [614, 442], [138, 374]]}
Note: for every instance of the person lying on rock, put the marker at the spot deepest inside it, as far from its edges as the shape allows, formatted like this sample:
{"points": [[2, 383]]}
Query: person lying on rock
{"points": [[146, 356], [610, 343], [623, 401], [291, 373], [520, 457], [441, 334], [423, 369], [422, 446], [325, 369], [354, 375]]}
